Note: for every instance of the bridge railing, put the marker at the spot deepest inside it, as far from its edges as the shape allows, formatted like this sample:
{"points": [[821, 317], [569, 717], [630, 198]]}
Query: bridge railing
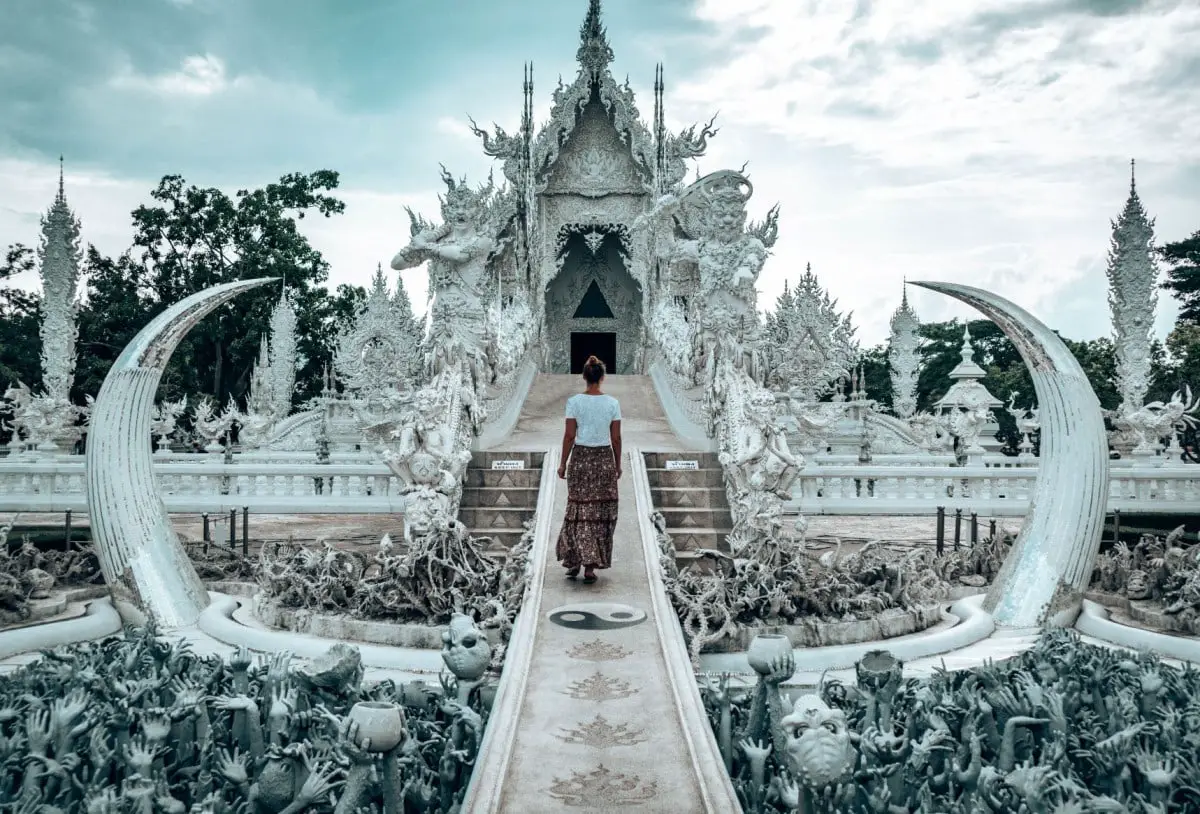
{"points": [[302, 488], [985, 490], [312, 488]]}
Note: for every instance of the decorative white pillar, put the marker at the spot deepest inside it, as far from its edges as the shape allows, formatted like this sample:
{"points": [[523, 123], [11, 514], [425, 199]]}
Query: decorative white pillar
{"points": [[59, 259], [1132, 297], [904, 359], [283, 356]]}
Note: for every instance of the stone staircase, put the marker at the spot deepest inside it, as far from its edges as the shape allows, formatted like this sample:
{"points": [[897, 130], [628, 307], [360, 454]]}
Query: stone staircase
{"points": [[497, 502], [692, 501]]}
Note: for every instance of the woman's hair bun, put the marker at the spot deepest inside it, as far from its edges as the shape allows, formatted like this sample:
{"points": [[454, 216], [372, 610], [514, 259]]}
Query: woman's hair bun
{"points": [[593, 369]]}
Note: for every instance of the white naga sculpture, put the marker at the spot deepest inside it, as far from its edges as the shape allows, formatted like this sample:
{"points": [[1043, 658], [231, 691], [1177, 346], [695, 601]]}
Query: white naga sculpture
{"points": [[1157, 420], [1027, 424], [430, 442], [210, 426], [904, 359], [143, 562], [728, 259], [428, 455], [1043, 579], [727, 341]]}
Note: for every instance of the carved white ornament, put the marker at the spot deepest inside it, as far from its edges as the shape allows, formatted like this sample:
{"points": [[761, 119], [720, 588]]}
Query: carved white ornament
{"points": [[380, 349], [968, 404], [811, 344], [138, 549], [1043, 579], [904, 359], [1132, 296]]}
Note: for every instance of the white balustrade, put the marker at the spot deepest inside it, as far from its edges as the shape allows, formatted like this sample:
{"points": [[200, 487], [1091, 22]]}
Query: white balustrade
{"points": [[305, 487], [986, 490], [215, 486]]}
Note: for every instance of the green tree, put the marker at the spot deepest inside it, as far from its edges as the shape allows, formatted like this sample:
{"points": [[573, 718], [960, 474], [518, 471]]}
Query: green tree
{"points": [[1182, 259], [118, 304], [191, 238], [19, 320]]}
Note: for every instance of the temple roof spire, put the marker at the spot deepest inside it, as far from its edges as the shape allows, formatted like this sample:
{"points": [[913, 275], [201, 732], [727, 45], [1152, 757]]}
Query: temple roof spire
{"points": [[594, 54]]}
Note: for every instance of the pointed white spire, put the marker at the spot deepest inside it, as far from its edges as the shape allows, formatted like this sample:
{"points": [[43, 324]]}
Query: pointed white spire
{"points": [[1132, 296], [904, 359], [59, 258]]}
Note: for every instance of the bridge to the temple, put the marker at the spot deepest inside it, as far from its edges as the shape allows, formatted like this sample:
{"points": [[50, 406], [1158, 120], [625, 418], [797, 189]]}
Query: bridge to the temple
{"points": [[597, 707]]}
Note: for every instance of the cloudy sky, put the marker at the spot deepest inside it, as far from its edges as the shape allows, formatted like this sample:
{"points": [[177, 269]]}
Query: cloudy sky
{"points": [[985, 142]]}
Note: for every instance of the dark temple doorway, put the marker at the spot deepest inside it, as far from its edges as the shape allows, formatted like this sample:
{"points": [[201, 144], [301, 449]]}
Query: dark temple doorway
{"points": [[603, 345]]}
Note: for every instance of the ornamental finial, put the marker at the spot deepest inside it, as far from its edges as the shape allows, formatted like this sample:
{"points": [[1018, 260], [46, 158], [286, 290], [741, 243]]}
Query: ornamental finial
{"points": [[62, 195], [594, 54], [1132, 176]]}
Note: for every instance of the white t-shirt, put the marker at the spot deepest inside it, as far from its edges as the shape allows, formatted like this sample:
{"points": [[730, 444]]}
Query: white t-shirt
{"points": [[593, 415]]}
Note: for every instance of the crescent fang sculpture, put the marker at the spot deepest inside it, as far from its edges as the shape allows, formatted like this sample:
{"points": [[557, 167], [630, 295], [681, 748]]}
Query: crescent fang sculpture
{"points": [[139, 552], [1043, 580]]}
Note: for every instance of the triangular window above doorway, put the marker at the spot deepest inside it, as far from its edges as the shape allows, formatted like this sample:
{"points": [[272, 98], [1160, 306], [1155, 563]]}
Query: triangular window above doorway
{"points": [[593, 305]]}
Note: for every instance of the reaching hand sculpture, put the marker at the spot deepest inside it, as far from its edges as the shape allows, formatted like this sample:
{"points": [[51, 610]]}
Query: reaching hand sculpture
{"points": [[1063, 727], [433, 579], [137, 724]]}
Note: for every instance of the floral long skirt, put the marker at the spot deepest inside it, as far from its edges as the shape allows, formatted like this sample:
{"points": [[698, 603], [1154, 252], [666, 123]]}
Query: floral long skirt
{"points": [[586, 538]]}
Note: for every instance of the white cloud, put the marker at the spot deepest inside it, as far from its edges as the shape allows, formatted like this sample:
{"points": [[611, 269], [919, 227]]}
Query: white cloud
{"points": [[201, 75], [372, 229], [914, 141]]}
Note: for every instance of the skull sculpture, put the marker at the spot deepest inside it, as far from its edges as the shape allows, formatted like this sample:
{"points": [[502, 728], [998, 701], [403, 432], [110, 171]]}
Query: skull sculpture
{"points": [[819, 751], [465, 648]]}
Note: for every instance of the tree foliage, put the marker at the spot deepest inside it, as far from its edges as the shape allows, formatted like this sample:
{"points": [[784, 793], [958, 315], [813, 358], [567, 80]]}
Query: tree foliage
{"points": [[190, 238], [1182, 259], [20, 316]]}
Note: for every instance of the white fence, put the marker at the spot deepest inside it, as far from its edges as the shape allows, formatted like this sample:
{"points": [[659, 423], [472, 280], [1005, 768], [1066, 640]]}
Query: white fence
{"points": [[989, 491], [365, 488], [212, 486]]}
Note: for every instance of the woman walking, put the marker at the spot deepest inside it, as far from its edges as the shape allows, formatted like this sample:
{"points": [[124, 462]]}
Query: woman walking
{"points": [[591, 463]]}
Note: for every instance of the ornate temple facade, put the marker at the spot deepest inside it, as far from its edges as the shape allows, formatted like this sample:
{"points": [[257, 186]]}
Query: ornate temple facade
{"points": [[578, 245]]}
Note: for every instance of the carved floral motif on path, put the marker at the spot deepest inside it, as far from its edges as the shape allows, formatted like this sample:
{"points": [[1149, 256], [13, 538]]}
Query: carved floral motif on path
{"points": [[600, 734], [603, 787], [598, 650], [600, 687]]}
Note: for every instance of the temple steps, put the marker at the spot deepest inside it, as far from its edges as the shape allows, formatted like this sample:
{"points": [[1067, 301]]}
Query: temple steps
{"points": [[693, 502], [498, 502]]}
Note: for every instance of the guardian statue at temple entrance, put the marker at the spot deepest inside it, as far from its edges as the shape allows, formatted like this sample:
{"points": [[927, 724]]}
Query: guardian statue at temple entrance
{"points": [[458, 253], [727, 258]]}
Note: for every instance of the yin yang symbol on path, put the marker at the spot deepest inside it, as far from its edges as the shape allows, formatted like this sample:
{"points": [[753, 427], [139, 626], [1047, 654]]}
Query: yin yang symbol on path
{"points": [[597, 615]]}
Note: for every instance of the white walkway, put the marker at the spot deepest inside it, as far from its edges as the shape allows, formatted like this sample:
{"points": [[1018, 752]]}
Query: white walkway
{"points": [[599, 727]]}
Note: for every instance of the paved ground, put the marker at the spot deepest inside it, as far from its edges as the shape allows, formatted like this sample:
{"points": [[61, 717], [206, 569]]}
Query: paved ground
{"points": [[598, 698]]}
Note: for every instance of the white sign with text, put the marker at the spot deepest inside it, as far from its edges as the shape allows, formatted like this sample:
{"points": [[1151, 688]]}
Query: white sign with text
{"points": [[683, 465], [508, 464]]}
